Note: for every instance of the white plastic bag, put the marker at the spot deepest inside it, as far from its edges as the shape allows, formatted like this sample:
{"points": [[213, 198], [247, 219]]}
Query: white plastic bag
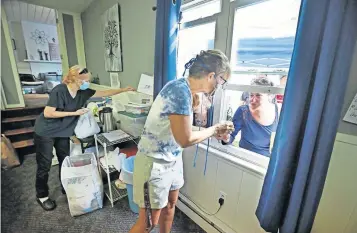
{"points": [[82, 183], [86, 126]]}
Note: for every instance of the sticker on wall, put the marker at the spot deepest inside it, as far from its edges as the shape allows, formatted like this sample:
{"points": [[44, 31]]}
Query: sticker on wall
{"points": [[112, 39], [39, 37]]}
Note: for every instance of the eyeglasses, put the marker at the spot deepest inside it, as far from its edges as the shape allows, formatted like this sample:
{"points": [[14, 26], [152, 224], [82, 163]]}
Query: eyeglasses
{"points": [[221, 80], [84, 71]]}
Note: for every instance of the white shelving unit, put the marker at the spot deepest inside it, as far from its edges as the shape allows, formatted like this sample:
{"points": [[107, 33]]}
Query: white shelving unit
{"points": [[42, 61], [111, 191]]}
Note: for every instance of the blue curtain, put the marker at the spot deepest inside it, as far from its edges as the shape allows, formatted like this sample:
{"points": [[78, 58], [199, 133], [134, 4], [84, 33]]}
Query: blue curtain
{"points": [[167, 19], [319, 71]]}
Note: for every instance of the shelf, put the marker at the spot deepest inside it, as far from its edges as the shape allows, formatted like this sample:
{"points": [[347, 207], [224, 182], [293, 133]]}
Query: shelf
{"points": [[112, 169], [103, 140], [42, 61], [19, 119], [117, 193], [19, 131], [22, 144]]}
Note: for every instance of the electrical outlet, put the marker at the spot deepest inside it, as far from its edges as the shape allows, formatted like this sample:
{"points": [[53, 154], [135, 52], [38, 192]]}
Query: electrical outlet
{"points": [[222, 195]]}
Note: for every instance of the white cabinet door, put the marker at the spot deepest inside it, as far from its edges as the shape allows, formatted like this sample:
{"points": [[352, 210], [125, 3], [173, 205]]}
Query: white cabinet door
{"points": [[70, 33], [11, 92]]}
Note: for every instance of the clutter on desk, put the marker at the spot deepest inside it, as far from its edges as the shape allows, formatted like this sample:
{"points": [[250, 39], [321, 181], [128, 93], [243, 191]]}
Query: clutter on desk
{"points": [[120, 184], [82, 182], [130, 123], [107, 119], [146, 84], [114, 159], [135, 108], [143, 95], [115, 136]]}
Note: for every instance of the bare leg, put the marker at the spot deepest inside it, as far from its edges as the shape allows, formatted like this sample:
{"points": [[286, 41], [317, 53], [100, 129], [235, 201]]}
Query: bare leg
{"points": [[167, 213], [140, 225]]}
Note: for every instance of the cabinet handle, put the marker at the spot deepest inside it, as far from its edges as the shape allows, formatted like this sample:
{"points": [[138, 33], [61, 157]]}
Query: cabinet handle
{"points": [[13, 44]]}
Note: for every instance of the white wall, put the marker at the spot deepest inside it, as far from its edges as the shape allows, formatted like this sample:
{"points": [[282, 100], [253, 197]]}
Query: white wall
{"points": [[49, 32], [337, 212], [241, 185], [137, 34], [338, 207], [28, 28]]}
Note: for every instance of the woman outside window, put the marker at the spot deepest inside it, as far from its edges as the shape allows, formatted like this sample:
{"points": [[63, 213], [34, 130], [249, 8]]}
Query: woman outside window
{"points": [[257, 121]]}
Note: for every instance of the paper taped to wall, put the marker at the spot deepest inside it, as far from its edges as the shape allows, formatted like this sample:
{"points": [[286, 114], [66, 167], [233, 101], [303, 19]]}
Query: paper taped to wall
{"points": [[146, 84], [351, 114]]}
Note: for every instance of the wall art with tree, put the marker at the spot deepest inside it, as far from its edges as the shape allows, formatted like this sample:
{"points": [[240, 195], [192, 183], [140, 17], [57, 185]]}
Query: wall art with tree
{"points": [[112, 39]]}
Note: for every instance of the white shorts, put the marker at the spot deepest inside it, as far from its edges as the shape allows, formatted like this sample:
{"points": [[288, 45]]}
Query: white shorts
{"points": [[162, 177]]}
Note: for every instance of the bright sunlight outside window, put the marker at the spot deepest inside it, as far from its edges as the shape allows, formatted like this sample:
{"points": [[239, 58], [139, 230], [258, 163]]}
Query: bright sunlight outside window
{"points": [[259, 37], [260, 58]]}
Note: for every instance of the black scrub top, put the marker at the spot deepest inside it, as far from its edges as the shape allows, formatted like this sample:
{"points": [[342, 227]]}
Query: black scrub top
{"points": [[61, 99]]}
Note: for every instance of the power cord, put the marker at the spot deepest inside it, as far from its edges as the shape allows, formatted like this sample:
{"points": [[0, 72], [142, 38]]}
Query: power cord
{"points": [[220, 201]]}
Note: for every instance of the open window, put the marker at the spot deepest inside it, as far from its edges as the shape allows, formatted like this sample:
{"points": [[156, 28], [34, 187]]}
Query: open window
{"points": [[261, 52], [259, 37], [197, 30]]}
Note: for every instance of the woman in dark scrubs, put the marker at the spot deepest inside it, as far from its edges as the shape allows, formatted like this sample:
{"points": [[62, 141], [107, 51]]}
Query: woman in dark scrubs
{"points": [[56, 125]]}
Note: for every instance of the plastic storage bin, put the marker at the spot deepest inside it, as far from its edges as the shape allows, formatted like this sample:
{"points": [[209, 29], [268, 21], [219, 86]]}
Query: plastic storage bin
{"points": [[132, 124], [137, 108], [127, 170]]}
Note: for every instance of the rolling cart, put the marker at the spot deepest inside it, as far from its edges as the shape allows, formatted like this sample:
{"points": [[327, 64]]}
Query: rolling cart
{"points": [[110, 189]]}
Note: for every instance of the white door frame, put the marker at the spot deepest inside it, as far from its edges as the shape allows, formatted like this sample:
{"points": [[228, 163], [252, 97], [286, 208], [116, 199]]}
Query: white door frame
{"points": [[78, 34], [15, 73]]}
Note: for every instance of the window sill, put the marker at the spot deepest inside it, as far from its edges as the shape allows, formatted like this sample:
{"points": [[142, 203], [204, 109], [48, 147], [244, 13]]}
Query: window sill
{"points": [[251, 161], [248, 159]]}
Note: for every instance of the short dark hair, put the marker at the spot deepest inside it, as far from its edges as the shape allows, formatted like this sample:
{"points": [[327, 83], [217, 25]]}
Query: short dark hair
{"points": [[210, 61]]}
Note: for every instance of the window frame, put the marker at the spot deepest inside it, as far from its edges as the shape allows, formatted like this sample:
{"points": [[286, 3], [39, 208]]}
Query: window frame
{"points": [[223, 41]]}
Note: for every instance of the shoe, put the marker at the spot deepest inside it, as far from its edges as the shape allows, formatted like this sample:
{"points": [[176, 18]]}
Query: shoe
{"points": [[47, 205]]}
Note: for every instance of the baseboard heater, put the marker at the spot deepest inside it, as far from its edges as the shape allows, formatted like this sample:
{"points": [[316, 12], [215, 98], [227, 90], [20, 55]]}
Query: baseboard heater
{"points": [[199, 214]]}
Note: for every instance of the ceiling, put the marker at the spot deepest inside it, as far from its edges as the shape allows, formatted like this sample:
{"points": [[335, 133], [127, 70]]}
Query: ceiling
{"points": [[75, 6], [18, 11]]}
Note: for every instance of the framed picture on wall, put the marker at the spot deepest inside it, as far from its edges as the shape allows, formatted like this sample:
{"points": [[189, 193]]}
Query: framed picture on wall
{"points": [[112, 39]]}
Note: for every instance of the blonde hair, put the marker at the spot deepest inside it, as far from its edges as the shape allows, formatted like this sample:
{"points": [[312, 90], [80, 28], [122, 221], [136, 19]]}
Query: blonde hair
{"points": [[72, 75]]}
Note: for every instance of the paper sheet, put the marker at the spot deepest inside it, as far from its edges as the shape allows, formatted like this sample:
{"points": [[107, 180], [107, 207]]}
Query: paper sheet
{"points": [[351, 114], [146, 84], [115, 135]]}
